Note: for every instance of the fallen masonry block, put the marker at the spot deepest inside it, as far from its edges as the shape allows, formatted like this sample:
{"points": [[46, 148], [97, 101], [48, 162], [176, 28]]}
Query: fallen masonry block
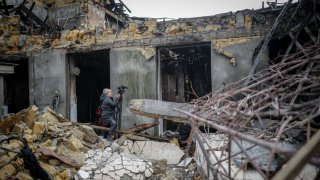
{"points": [[62, 158], [157, 109]]}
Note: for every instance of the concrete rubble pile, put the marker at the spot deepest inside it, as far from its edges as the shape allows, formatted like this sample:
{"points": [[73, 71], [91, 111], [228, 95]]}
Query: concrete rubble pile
{"points": [[135, 157], [60, 147], [68, 150]]}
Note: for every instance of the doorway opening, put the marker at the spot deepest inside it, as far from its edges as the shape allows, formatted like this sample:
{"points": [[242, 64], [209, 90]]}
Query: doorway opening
{"points": [[15, 86], [91, 74], [185, 75]]}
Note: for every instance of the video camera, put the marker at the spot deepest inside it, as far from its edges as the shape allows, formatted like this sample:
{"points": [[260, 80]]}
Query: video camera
{"points": [[121, 89]]}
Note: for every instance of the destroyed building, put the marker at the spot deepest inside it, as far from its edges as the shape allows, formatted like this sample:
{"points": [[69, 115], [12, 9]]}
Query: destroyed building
{"points": [[63, 53]]}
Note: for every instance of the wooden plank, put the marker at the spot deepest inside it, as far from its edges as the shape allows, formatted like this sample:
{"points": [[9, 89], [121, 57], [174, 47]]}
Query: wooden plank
{"points": [[158, 109], [141, 127], [301, 158]]}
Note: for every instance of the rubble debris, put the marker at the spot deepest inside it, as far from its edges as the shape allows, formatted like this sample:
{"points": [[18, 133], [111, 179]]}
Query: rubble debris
{"points": [[277, 101], [57, 147], [185, 162], [64, 159], [32, 164], [260, 156], [296, 164], [164, 171], [7, 171], [109, 164], [217, 143], [154, 150], [66, 150]]}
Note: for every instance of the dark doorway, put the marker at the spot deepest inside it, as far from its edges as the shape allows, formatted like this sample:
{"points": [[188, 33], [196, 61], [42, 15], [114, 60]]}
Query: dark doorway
{"points": [[16, 86], [185, 74], [93, 77]]}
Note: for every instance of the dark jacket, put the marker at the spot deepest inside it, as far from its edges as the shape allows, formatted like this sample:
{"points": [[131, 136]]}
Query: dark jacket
{"points": [[108, 105]]}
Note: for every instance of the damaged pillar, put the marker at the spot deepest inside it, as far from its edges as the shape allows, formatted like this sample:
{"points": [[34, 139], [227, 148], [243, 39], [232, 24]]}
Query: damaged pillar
{"points": [[135, 68], [47, 78], [231, 59]]}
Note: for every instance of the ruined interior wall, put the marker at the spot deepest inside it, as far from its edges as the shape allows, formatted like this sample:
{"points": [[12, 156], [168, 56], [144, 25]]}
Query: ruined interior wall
{"points": [[231, 59], [143, 33], [135, 68], [95, 17], [47, 74], [68, 16]]}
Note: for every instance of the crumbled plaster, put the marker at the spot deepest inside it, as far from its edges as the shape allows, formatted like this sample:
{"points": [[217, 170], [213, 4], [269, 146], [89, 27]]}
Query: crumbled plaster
{"points": [[218, 46], [148, 53], [231, 41]]}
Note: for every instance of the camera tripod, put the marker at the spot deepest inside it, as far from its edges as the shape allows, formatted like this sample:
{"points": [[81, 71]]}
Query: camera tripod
{"points": [[118, 113]]}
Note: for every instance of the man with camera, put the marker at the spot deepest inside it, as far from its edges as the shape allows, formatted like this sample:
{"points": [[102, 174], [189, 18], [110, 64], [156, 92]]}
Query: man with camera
{"points": [[109, 105]]}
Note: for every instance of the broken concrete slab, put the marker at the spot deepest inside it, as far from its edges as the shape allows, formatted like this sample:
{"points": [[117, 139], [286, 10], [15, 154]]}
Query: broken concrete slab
{"points": [[153, 150], [157, 109]]}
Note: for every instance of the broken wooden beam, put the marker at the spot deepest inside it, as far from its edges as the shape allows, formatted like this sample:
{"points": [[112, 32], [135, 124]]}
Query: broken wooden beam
{"points": [[158, 109], [141, 127], [161, 139]]}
